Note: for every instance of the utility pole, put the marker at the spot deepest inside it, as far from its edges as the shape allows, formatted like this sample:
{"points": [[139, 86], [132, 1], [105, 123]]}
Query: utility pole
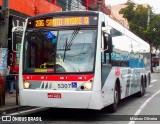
{"points": [[148, 21], [4, 21], [148, 18], [4, 36]]}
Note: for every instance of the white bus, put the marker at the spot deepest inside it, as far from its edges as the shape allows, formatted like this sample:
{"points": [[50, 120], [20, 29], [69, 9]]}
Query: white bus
{"points": [[80, 59]]}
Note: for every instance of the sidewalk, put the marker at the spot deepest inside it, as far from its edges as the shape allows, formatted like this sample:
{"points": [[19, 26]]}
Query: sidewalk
{"points": [[10, 102], [11, 105]]}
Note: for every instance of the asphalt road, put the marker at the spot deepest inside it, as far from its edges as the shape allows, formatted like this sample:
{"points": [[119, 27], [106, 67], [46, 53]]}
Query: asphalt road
{"points": [[147, 107]]}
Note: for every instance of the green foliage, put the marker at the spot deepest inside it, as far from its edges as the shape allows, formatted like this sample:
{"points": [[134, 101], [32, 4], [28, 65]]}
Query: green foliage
{"points": [[153, 31], [128, 11], [137, 17]]}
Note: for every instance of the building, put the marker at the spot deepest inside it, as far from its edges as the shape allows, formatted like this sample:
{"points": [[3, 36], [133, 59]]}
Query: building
{"points": [[117, 16], [95, 4], [19, 10], [35, 7], [69, 5]]}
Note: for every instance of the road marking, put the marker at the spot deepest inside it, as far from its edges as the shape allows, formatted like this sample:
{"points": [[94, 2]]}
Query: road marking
{"points": [[22, 112], [142, 106], [153, 81], [150, 85]]}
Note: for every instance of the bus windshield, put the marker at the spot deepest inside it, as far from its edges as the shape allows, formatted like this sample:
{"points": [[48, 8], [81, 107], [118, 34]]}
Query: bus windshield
{"points": [[59, 51]]}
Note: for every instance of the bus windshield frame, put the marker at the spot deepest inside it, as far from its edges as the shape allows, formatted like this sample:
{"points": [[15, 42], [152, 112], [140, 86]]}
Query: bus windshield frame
{"points": [[63, 43]]}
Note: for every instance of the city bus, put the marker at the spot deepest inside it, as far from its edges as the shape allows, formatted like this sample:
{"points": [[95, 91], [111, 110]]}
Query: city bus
{"points": [[80, 60]]}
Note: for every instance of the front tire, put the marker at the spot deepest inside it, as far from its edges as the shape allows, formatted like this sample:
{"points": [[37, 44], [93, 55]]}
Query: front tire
{"points": [[114, 106], [142, 89]]}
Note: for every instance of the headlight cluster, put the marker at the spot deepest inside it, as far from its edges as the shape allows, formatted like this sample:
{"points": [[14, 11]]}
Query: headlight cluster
{"points": [[86, 86], [26, 84]]}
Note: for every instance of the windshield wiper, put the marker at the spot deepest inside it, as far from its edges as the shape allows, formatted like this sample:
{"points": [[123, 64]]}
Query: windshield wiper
{"points": [[65, 49], [69, 44], [73, 36]]}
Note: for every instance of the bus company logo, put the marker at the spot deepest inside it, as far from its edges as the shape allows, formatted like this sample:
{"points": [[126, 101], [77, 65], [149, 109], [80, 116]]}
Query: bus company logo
{"points": [[6, 118], [74, 84], [13, 118]]}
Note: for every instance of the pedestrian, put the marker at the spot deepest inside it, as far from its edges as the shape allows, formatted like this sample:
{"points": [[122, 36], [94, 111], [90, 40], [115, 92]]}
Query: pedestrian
{"points": [[11, 79], [8, 79]]}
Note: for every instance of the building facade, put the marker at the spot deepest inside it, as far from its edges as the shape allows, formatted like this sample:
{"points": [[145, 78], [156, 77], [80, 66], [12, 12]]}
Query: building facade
{"points": [[69, 5], [19, 10]]}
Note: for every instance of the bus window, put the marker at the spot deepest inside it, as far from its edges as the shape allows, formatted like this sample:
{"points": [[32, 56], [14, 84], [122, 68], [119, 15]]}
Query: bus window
{"points": [[75, 48], [72, 50], [115, 32]]}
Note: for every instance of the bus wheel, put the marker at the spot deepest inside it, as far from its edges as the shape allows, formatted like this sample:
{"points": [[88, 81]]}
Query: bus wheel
{"points": [[142, 89], [113, 107]]}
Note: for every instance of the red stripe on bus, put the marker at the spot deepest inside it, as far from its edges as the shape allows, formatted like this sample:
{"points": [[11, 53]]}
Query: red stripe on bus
{"points": [[59, 77]]}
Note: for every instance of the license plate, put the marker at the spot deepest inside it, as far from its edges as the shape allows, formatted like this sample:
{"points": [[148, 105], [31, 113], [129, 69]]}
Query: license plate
{"points": [[67, 85], [54, 95], [58, 85]]}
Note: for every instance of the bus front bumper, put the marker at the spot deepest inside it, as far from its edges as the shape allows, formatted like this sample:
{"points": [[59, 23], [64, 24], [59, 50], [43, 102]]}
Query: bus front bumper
{"points": [[57, 99]]}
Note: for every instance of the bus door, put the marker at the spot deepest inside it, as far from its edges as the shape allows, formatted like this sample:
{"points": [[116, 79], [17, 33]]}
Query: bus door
{"points": [[105, 55]]}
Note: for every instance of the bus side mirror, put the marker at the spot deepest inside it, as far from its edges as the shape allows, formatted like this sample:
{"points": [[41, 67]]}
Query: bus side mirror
{"points": [[17, 33], [13, 42], [108, 43]]}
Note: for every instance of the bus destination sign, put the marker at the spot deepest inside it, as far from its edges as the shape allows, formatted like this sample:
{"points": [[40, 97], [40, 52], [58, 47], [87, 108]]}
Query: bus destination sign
{"points": [[63, 21]]}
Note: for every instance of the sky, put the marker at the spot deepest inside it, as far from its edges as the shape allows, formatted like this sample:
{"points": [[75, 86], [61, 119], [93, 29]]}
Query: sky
{"points": [[155, 4]]}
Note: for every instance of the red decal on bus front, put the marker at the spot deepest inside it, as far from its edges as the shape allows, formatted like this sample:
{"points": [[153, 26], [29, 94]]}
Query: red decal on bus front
{"points": [[54, 95]]}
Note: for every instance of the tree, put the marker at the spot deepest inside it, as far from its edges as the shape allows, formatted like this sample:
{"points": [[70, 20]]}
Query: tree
{"points": [[137, 17], [128, 12], [153, 32]]}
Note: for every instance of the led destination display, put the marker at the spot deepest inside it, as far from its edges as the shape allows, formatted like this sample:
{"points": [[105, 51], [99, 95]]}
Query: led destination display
{"points": [[63, 21]]}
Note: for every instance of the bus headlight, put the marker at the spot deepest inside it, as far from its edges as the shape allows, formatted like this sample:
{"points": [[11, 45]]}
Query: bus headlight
{"points": [[87, 86], [26, 84]]}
